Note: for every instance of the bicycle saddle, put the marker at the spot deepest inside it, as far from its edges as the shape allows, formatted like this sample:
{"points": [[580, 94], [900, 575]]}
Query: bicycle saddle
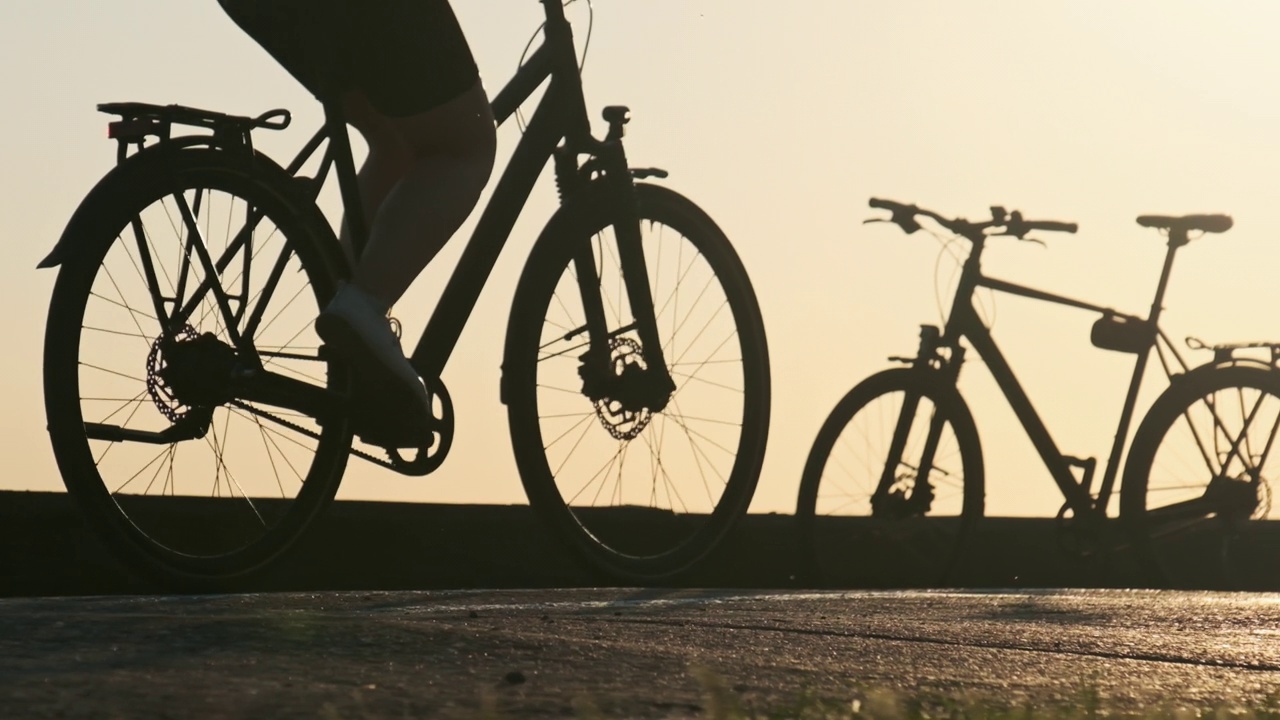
{"points": [[1187, 223]]}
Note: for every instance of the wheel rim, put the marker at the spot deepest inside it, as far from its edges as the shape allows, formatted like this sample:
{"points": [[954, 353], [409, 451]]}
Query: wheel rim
{"points": [[903, 537], [644, 483], [220, 500]]}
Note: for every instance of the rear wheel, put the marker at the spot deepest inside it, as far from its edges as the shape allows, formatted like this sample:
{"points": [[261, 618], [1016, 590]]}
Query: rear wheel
{"points": [[1200, 480], [179, 473], [640, 492], [872, 512]]}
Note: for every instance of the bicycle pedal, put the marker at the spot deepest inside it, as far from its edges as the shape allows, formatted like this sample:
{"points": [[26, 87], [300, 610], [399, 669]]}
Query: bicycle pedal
{"points": [[385, 425]]}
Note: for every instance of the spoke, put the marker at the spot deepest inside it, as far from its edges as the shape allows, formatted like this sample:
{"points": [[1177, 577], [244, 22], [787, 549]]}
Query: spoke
{"points": [[698, 449], [586, 420], [704, 381], [689, 345], [678, 420], [135, 476], [129, 308], [660, 470], [98, 461], [621, 465], [729, 423], [266, 447], [145, 338], [544, 356], [604, 471], [136, 400], [112, 372], [559, 389], [170, 451], [231, 480], [561, 416], [1199, 487], [698, 364], [124, 303]]}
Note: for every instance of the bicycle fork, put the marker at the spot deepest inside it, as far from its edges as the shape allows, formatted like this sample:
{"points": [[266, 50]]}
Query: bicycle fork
{"points": [[612, 371], [904, 490]]}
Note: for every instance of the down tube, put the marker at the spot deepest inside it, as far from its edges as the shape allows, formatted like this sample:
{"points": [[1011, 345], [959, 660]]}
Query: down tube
{"points": [[486, 243], [1027, 415]]}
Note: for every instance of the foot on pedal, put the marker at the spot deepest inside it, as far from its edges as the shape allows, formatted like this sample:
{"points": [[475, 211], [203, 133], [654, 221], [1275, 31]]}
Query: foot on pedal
{"points": [[392, 407]]}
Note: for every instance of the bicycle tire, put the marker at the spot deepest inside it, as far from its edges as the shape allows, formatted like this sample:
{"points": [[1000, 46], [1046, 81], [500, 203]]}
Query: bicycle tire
{"points": [[1191, 506], [104, 367], [641, 528], [844, 543]]}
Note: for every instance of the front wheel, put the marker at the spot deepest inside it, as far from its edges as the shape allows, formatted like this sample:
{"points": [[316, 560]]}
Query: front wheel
{"points": [[893, 484], [641, 490], [1200, 478]]}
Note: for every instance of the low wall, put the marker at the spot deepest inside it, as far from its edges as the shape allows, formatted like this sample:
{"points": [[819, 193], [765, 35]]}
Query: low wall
{"points": [[46, 549]]}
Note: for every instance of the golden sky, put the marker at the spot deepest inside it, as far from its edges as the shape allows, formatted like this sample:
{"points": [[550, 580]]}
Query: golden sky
{"points": [[780, 119]]}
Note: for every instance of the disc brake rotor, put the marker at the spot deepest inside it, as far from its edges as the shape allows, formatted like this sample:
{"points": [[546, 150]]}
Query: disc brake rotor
{"points": [[162, 395], [628, 365]]}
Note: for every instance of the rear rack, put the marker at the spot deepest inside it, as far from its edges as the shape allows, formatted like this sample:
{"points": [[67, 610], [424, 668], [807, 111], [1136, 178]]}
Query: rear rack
{"points": [[1226, 352], [138, 121]]}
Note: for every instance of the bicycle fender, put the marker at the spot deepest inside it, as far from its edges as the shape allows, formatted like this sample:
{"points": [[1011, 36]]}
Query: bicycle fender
{"points": [[111, 186]]}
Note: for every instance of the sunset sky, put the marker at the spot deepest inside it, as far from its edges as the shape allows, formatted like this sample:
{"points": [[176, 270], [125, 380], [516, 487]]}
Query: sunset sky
{"points": [[779, 119]]}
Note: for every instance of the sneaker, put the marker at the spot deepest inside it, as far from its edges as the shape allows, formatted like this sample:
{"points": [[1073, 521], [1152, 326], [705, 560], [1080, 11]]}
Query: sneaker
{"points": [[392, 407]]}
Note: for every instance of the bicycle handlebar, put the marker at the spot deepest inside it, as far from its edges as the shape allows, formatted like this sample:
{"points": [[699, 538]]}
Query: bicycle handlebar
{"points": [[1018, 227], [1012, 224]]}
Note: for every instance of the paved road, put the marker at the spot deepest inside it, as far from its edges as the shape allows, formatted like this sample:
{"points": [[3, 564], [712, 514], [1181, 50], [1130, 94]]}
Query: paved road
{"points": [[641, 653]]}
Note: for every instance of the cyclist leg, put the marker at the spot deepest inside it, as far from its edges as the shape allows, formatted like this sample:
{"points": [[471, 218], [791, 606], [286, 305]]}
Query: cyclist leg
{"points": [[411, 87], [420, 181], [409, 84]]}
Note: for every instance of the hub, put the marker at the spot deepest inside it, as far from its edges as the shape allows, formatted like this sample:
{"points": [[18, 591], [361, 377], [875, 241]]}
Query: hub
{"points": [[189, 371], [628, 393]]}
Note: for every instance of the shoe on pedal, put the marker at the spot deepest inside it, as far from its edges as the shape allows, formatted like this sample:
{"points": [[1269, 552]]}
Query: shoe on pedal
{"points": [[391, 407]]}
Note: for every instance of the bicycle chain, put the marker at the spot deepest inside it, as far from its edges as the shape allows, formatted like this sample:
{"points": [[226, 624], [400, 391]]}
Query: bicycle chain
{"points": [[386, 463]]}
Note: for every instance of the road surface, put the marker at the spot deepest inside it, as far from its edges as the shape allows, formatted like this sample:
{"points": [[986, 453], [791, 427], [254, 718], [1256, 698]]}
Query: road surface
{"points": [[632, 653]]}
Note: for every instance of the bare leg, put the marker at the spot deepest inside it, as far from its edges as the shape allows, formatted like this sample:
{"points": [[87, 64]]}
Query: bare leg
{"points": [[422, 178]]}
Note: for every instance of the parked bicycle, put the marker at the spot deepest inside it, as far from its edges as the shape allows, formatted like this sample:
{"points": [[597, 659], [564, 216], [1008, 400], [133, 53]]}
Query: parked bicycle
{"points": [[901, 453], [200, 424]]}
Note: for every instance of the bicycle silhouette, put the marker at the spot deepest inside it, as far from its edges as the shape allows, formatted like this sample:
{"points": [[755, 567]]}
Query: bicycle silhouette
{"points": [[900, 452], [201, 426]]}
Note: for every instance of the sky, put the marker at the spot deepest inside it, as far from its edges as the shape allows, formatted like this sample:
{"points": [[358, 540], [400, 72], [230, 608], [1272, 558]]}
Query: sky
{"points": [[780, 120]]}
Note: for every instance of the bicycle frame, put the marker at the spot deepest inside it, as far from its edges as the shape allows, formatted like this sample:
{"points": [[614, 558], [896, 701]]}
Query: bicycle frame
{"points": [[561, 115], [965, 322]]}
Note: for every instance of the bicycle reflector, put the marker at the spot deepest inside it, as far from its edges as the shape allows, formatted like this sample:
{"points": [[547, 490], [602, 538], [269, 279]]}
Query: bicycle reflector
{"points": [[131, 130]]}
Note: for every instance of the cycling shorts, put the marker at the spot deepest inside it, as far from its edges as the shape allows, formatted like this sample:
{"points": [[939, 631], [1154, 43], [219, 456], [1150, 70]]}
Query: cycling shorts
{"points": [[406, 56]]}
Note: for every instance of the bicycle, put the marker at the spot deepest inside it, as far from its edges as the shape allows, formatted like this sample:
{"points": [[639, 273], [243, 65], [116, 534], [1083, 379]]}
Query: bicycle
{"points": [[180, 359], [901, 449]]}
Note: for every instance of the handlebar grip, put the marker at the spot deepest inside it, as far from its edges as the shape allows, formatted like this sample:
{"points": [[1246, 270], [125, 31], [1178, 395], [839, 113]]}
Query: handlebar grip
{"points": [[903, 215], [1052, 226]]}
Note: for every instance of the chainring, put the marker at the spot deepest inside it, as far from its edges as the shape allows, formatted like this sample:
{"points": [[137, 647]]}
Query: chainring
{"points": [[428, 459]]}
